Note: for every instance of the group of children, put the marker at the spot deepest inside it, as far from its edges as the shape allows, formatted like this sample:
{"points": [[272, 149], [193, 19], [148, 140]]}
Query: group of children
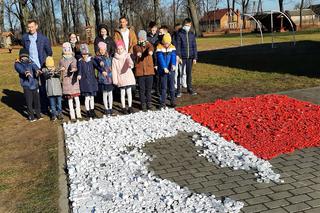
{"points": [[89, 74]]}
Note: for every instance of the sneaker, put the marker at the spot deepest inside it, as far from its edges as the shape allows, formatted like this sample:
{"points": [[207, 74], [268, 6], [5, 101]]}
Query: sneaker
{"points": [[130, 110], [124, 111], [53, 118], [192, 93], [31, 119], [178, 95], [110, 112], [162, 106], [106, 112], [60, 117]]}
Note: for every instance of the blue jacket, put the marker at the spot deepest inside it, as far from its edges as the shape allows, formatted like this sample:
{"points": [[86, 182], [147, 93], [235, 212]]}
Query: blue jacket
{"points": [[186, 45], [106, 62], [43, 44], [88, 82], [166, 58], [27, 82]]}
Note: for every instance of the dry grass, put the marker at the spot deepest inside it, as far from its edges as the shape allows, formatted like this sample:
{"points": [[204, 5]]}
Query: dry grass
{"points": [[28, 154]]}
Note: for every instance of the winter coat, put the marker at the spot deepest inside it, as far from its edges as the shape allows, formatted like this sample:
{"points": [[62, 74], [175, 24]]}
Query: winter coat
{"points": [[154, 40], [166, 57], [103, 64], [186, 45], [43, 46], [132, 38], [53, 82], [122, 74], [70, 82], [144, 64], [88, 81], [111, 45], [27, 82]]}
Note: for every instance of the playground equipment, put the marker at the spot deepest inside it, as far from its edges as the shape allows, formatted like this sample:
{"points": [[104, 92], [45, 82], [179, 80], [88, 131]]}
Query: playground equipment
{"points": [[259, 24]]}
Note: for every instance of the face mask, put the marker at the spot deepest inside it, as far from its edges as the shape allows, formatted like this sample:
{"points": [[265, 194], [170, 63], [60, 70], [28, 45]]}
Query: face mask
{"points": [[67, 56], [73, 40], [25, 60], [186, 28]]}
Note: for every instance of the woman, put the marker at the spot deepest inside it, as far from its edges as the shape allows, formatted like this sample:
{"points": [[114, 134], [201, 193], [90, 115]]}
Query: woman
{"points": [[75, 44], [103, 36]]}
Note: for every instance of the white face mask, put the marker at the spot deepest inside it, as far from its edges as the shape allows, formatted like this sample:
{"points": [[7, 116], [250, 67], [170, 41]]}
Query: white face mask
{"points": [[186, 28]]}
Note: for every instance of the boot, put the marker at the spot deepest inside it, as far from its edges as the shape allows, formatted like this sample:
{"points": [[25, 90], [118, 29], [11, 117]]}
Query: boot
{"points": [[93, 114], [88, 114]]}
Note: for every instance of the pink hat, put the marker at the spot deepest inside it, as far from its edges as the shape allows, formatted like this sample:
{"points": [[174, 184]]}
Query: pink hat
{"points": [[120, 44], [66, 48], [102, 45]]}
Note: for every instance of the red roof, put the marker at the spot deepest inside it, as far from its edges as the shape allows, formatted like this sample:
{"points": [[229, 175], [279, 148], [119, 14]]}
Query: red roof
{"points": [[218, 14]]}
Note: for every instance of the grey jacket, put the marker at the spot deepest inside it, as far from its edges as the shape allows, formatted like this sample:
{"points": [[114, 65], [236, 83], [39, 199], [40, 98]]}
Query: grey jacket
{"points": [[53, 82]]}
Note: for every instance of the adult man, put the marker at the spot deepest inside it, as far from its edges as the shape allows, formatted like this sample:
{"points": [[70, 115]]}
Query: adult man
{"points": [[39, 48], [187, 53], [127, 35]]}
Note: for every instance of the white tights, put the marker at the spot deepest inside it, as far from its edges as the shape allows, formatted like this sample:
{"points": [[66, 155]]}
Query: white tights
{"points": [[107, 99], [123, 96], [89, 102], [71, 109]]}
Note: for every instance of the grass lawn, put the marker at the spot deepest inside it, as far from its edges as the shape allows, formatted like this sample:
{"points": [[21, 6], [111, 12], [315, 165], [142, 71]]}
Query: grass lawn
{"points": [[28, 154]]}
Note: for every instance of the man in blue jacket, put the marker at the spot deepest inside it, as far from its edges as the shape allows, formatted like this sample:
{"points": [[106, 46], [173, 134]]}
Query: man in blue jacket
{"points": [[187, 54], [39, 48]]}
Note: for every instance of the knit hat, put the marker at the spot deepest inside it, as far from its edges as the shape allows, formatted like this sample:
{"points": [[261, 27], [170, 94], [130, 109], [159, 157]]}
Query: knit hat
{"points": [[66, 48], [120, 44], [166, 39], [102, 45], [23, 53], [84, 49], [49, 61], [142, 34]]}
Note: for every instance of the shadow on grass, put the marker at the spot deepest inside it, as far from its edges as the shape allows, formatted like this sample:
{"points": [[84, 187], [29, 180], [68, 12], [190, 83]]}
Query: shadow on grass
{"points": [[299, 60], [15, 100]]}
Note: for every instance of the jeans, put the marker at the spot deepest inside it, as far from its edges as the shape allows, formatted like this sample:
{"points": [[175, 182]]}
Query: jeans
{"points": [[55, 105], [32, 100], [167, 80], [145, 87]]}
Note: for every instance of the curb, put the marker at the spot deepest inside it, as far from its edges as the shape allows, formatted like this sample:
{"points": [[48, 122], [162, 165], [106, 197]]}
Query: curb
{"points": [[63, 179]]}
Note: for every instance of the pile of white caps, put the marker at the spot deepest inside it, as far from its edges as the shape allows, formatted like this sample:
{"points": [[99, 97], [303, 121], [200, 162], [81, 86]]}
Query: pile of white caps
{"points": [[108, 170]]}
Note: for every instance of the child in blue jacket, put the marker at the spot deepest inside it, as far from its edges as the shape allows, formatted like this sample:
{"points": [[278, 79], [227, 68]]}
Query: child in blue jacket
{"points": [[166, 58], [103, 65], [28, 74]]}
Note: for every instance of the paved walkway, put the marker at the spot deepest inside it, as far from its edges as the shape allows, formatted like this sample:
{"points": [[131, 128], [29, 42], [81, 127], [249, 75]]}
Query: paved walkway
{"points": [[177, 159]]}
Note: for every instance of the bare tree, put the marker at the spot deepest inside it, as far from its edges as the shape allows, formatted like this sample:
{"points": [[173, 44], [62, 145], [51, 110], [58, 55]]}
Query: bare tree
{"points": [[193, 12], [2, 15], [96, 6], [64, 16], [156, 6]]}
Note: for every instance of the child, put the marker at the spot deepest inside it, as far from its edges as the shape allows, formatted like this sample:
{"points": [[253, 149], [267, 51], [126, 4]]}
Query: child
{"points": [[187, 53], [166, 57], [53, 88], [70, 82], [122, 75], [143, 52], [88, 81], [28, 73], [103, 65]]}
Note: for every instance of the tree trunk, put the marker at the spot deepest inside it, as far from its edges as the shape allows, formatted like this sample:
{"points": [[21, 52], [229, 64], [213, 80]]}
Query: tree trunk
{"points": [[57, 40], [23, 15], [65, 23], [281, 5], [101, 11], [301, 8], [156, 8], [193, 12], [2, 15], [96, 6]]}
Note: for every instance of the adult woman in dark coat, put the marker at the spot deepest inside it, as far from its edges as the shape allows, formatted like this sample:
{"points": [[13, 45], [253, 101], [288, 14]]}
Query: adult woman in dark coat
{"points": [[75, 44], [103, 36]]}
